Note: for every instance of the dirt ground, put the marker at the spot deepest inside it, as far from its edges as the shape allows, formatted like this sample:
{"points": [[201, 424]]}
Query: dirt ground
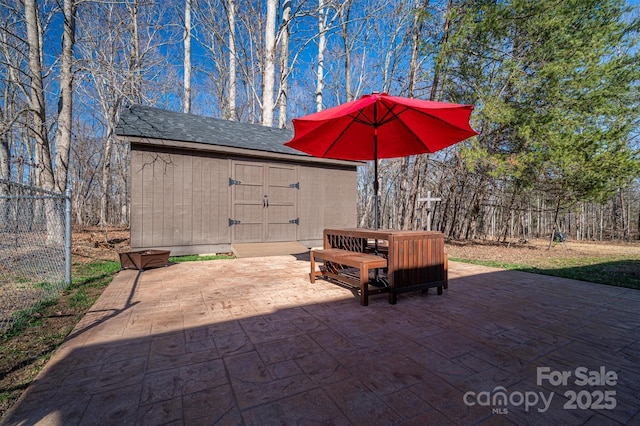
{"points": [[537, 252], [91, 244]]}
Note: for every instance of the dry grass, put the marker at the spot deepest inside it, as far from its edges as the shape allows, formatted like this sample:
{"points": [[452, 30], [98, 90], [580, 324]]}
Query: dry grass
{"points": [[613, 263]]}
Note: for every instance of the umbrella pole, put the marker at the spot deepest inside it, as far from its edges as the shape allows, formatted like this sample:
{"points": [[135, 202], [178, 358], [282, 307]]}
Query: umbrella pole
{"points": [[376, 214]]}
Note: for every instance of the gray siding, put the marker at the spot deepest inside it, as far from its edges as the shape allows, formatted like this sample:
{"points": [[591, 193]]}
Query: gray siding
{"points": [[328, 199], [178, 199], [181, 199]]}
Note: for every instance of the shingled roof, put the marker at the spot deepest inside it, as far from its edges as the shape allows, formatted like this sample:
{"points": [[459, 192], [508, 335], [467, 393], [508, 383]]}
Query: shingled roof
{"points": [[154, 123]]}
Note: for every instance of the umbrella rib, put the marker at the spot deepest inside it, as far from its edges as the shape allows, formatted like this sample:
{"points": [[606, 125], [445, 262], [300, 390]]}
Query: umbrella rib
{"points": [[337, 139], [394, 115], [364, 120]]}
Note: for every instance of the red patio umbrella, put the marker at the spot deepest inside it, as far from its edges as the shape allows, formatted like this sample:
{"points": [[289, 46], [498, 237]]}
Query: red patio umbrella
{"points": [[381, 126]]}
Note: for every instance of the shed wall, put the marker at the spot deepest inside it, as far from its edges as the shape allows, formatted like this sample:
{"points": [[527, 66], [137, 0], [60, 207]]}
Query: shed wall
{"points": [[181, 199], [328, 198]]}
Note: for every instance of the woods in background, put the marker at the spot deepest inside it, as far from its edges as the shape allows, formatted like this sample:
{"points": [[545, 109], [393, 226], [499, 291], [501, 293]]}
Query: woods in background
{"points": [[555, 85]]}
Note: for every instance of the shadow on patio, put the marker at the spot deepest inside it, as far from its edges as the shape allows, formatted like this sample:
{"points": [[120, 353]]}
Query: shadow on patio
{"points": [[219, 343]]}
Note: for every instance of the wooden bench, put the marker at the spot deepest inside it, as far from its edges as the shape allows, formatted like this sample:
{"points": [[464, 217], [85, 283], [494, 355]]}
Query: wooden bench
{"points": [[335, 260]]}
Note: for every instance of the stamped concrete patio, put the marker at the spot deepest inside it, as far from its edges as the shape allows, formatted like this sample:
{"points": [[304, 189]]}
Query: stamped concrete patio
{"points": [[251, 341]]}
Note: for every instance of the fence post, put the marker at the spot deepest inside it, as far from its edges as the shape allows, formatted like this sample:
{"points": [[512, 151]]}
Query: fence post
{"points": [[67, 229]]}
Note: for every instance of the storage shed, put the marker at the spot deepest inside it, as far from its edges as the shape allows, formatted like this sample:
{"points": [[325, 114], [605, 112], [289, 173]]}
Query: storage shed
{"points": [[200, 184]]}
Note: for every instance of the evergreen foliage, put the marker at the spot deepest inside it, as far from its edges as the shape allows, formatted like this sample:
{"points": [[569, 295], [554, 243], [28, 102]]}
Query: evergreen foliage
{"points": [[556, 89]]}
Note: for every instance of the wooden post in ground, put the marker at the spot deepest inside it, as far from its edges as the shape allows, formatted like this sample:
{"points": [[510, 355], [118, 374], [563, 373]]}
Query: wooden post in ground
{"points": [[428, 199]]}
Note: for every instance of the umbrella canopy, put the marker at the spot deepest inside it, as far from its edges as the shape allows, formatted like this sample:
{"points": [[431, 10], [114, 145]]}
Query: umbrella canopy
{"points": [[381, 126]]}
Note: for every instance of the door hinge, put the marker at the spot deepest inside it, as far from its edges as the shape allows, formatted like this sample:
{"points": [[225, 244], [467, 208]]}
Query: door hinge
{"points": [[295, 185], [295, 221], [234, 182], [233, 222]]}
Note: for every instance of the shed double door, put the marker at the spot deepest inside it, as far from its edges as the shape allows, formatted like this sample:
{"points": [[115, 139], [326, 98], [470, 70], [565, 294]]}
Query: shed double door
{"points": [[264, 202]]}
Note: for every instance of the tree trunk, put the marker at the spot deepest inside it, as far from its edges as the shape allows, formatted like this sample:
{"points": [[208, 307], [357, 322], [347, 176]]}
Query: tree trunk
{"points": [[269, 64], [135, 89], [638, 236], [507, 223], [7, 122], [345, 13], [106, 166], [322, 45], [403, 192], [624, 216], [65, 103], [284, 64], [44, 175], [368, 208], [5, 170], [415, 41], [231, 98], [420, 166], [478, 200], [187, 57], [442, 53], [555, 222]]}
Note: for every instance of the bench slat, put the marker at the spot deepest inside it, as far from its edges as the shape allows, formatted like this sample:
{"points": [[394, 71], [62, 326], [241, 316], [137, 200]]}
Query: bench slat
{"points": [[350, 258], [363, 261]]}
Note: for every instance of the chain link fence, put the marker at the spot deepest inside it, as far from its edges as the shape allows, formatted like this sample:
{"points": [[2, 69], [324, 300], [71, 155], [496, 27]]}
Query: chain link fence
{"points": [[35, 248]]}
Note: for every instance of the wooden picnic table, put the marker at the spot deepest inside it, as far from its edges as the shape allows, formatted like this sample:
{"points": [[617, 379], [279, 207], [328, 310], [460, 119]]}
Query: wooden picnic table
{"points": [[416, 260]]}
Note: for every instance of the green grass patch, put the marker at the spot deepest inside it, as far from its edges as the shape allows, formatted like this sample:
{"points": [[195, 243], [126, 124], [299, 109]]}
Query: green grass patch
{"points": [[85, 273], [26, 318], [90, 275], [623, 272], [80, 299]]}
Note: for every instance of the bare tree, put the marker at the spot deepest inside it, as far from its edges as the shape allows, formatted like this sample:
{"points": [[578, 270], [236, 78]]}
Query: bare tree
{"points": [[65, 103], [37, 100], [215, 20], [268, 76], [416, 32], [284, 32], [231, 17], [322, 45], [44, 169], [15, 96], [85, 159], [347, 41], [186, 107], [120, 65]]}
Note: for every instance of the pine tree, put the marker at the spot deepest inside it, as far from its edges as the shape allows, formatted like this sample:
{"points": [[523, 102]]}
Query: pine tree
{"points": [[556, 86]]}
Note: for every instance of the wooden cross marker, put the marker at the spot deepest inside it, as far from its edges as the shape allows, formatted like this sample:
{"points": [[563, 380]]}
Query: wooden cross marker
{"points": [[429, 199]]}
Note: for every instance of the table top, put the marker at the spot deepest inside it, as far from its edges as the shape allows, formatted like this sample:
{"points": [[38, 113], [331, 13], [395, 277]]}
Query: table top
{"points": [[381, 234]]}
